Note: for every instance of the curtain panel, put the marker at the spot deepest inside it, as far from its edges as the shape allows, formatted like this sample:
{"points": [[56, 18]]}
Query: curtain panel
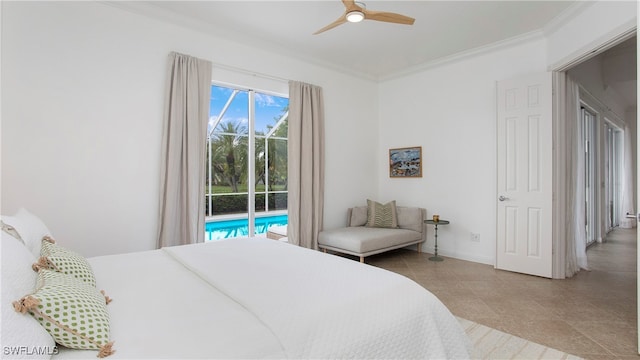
{"points": [[187, 96], [569, 253], [306, 164]]}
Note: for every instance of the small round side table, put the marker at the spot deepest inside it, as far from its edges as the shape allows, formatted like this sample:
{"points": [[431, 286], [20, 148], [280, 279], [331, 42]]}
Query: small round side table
{"points": [[435, 224]]}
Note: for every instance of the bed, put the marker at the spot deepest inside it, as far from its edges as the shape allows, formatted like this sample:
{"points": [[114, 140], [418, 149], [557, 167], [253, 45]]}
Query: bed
{"points": [[259, 298]]}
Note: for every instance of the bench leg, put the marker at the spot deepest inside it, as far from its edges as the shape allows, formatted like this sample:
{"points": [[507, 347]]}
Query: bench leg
{"points": [[324, 251], [362, 259]]}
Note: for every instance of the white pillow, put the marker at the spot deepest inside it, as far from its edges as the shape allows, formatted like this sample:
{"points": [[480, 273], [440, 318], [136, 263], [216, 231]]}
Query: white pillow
{"points": [[30, 228], [22, 335], [358, 216]]}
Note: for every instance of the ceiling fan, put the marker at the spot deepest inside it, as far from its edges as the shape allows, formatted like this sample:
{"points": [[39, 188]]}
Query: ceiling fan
{"points": [[356, 11]]}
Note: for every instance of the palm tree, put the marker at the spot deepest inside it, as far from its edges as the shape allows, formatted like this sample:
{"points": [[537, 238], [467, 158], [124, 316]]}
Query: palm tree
{"points": [[278, 155], [260, 156], [230, 153]]}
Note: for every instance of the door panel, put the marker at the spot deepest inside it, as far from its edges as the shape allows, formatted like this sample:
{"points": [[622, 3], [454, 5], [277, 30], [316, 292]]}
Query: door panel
{"points": [[524, 136]]}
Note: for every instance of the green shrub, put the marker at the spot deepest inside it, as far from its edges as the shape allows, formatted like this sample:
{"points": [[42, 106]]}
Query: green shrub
{"points": [[237, 204]]}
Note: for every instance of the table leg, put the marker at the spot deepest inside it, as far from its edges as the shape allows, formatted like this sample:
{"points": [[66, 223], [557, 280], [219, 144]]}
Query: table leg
{"points": [[436, 257]]}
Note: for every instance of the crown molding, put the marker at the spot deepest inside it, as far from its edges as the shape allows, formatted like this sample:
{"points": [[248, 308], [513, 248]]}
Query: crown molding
{"points": [[158, 13], [565, 16], [463, 55]]}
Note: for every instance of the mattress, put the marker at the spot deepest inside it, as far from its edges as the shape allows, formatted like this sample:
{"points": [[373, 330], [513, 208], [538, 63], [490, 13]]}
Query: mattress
{"points": [[259, 298]]}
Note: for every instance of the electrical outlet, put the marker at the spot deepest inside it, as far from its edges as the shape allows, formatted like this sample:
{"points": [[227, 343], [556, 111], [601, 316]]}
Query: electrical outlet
{"points": [[475, 237]]}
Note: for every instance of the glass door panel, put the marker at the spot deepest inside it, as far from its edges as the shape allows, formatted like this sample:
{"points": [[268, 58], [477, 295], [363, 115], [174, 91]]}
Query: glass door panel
{"points": [[591, 190]]}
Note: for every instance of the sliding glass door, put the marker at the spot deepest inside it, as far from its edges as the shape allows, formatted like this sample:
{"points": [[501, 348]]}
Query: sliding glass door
{"points": [[612, 166], [246, 168], [589, 135]]}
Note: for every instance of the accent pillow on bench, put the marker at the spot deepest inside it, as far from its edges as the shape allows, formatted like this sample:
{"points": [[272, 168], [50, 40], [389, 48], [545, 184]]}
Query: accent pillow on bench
{"points": [[382, 216]]}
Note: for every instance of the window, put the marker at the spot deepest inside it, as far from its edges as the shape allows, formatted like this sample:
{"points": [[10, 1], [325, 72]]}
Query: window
{"points": [[246, 162]]}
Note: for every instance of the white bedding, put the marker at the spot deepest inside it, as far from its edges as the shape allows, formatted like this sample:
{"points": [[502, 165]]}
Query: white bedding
{"points": [[259, 298]]}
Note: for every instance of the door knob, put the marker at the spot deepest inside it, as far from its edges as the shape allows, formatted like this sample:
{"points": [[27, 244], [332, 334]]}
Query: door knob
{"points": [[502, 198]]}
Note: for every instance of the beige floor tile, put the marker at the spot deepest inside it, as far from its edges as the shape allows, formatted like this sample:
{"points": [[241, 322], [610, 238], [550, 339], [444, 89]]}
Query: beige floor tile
{"points": [[470, 309], [592, 315], [527, 309], [616, 336]]}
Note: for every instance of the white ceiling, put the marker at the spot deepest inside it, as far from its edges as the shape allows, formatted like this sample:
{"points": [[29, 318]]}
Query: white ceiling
{"points": [[370, 49]]}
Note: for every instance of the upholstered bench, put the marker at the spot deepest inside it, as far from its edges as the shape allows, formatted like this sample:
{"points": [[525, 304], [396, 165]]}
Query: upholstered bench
{"points": [[277, 232], [360, 240]]}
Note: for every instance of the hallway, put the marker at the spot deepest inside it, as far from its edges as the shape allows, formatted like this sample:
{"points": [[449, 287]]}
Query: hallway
{"points": [[592, 315]]}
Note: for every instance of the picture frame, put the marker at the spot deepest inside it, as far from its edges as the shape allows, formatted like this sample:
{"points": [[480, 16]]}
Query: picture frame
{"points": [[405, 162]]}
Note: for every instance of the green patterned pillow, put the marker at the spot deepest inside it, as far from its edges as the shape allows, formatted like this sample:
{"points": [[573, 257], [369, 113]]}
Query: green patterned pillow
{"points": [[73, 312], [379, 215], [48, 246], [57, 258]]}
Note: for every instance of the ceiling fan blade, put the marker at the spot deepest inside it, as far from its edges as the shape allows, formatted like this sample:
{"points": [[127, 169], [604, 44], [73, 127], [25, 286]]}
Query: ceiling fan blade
{"points": [[388, 17], [341, 20], [351, 5]]}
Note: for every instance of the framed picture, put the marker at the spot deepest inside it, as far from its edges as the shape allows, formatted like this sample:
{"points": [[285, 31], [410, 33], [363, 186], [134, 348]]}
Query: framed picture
{"points": [[405, 162]]}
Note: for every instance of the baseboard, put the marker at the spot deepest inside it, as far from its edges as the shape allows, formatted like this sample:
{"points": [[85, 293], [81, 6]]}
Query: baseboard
{"points": [[458, 255], [470, 257]]}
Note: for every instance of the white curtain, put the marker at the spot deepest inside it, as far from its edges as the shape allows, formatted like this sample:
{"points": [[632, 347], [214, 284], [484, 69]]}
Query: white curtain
{"points": [[570, 246], [627, 198], [305, 164], [188, 92]]}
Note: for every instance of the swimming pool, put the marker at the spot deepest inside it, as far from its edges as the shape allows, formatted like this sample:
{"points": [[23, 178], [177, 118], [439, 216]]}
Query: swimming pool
{"points": [[224, 229]]}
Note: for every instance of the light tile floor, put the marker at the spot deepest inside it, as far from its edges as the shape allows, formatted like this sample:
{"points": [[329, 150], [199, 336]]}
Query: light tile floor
{"points": [[592, 315]]}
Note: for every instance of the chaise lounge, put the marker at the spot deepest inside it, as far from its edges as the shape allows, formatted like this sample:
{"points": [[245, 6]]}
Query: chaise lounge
{"points": [[360, 240]]}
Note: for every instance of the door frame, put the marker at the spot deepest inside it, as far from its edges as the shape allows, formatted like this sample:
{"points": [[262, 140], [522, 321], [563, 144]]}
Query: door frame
{"points": [[559, 166]]}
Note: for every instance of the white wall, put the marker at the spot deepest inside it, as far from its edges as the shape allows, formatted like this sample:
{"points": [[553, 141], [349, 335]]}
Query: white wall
{"points": [[450, 112], [589, 74], [83, 91]]}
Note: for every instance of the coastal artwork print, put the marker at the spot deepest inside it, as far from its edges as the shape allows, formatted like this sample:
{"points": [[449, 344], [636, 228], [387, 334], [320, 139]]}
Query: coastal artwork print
{"points": [[405, 162]]}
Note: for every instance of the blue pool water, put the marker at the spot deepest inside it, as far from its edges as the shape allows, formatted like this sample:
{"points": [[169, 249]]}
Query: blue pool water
{"points": [[223, 229]]}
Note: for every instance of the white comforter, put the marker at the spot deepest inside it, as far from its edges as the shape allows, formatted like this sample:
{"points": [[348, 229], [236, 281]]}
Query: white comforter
{"points": [[259, 298]]}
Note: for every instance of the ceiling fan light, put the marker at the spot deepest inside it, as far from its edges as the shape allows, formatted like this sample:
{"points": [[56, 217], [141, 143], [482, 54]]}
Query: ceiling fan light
{"points": [[355, 16]]}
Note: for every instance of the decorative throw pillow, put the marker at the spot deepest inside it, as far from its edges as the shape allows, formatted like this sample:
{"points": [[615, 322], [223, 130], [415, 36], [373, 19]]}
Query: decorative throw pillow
{"points": [[379, 215], [20, 332], [73, 312], [48, 245], [59, 259]]}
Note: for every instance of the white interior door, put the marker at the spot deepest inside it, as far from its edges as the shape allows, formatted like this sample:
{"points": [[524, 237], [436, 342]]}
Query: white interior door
{"points": [[524, 211]]}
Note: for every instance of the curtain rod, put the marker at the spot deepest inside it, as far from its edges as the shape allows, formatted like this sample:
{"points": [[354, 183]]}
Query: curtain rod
{"points": [[249, 72]]}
